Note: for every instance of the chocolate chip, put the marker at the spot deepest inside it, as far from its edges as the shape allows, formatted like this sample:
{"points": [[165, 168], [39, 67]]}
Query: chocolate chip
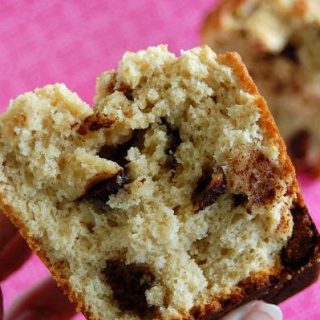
{"points": [[118, 153], [299, 144], [290, 53], [210, 186], [214, 98], [174, 140], [300, 247], [102, 190], [239, 199], [127, 91], [95, 122], [128, 94], [90, 227], [129, 283]]}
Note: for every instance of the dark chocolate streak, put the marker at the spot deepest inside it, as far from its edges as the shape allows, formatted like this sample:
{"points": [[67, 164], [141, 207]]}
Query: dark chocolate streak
{"points": [[119, 152], [174, 140], [127, 91], [129, 283], [239, 199], [300, 247], [95, 122], [102, 190], [297, 274], [210, 186]]}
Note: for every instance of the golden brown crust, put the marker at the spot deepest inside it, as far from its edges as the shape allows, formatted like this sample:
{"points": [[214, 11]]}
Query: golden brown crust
{"points": [[293, 276], [266, 121], [273, 289], [233, 60]]}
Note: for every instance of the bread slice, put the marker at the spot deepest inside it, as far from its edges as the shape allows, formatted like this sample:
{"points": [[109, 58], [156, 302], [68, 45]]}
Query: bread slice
{"points": [[279, 42], [172, 199]]}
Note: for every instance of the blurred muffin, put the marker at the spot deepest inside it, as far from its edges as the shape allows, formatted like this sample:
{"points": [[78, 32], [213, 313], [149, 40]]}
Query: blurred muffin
{"points": [[279, 41]]}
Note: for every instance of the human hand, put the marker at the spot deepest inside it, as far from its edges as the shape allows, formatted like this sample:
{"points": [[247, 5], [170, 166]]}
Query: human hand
{"points": [[46, 300]]}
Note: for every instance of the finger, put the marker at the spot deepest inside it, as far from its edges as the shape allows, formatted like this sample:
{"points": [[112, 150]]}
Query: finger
{"points": [[8, 231], [13, 256], [255, 310], [44, 301], [1, 305]]}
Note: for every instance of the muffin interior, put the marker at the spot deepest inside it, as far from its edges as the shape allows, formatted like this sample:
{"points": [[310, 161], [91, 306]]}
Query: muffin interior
{"points": [[164, 196]]}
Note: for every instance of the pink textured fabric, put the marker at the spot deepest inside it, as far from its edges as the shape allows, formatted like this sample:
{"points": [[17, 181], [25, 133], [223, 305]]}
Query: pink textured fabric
{"points": [[46, 41]]}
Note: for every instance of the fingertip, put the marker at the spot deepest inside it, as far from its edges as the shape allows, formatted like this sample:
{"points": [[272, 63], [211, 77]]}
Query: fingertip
{"points": [[256, 310], [264, 311]]}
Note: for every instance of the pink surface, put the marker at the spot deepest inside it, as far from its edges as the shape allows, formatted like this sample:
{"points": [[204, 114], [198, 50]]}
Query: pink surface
{"points": [[72, 42]]}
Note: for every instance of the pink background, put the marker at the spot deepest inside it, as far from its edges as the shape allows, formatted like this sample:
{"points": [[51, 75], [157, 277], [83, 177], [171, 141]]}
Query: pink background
{"points": [[72, 42]]}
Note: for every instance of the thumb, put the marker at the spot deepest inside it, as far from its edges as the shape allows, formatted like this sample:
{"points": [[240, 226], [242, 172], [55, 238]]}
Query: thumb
{"points": [[255, 310]]}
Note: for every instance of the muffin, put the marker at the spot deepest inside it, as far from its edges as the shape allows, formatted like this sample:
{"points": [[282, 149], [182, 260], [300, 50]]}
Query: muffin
{"points": [[173, 198]]}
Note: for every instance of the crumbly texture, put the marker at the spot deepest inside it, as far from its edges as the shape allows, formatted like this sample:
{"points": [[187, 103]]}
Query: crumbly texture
{"points": [[279, 41], [164, 198]]}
